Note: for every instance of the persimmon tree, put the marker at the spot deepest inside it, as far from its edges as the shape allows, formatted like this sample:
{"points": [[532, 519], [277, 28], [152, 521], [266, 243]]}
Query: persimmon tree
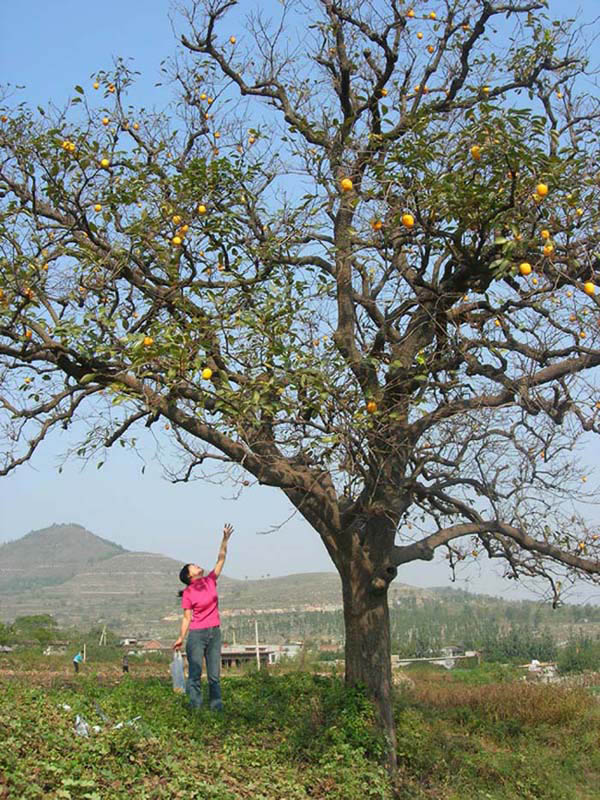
{"points": [[371, 284]]}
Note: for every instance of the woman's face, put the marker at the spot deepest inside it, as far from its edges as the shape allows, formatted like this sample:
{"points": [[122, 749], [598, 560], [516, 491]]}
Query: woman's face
{"points": [[195, 572]]}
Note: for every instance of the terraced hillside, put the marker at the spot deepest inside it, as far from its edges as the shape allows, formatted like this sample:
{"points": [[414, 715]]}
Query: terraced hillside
{"points": [[51, 556], [85, 580]]}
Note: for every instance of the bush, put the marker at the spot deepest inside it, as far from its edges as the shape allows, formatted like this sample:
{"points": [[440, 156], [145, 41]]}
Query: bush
{"points": [[579, 655]]}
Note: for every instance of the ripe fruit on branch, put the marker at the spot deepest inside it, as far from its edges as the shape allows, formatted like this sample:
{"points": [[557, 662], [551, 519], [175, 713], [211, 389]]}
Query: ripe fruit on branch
{"points": [[105, 163], [525, 268], [148, 341], [346, 185], [202, 209], [541, 189], [476, 152], [207, 373], [97, 207], [176, 240], [589, 288], [408, 220], [371, 406], [377, 224]]}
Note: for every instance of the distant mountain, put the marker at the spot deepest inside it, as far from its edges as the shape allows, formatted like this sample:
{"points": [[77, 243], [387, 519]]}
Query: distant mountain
{"points": [[50, 556], [85, 580]]}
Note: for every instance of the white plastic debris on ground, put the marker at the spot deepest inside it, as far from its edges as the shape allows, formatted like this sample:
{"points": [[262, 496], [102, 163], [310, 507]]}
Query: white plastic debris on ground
{"points": [[81, 726]]}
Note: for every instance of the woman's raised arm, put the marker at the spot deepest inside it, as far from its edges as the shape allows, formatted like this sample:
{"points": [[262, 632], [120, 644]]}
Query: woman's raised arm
{"points": [[227, 531]]}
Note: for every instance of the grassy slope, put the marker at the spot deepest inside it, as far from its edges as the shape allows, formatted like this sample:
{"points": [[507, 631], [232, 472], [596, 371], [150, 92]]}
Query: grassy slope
{"points": [[50, 556], [298, 735], [83, 579]]}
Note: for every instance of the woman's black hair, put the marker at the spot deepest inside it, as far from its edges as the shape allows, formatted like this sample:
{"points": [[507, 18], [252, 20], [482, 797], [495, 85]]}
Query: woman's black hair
{"points": [[184, 577]]}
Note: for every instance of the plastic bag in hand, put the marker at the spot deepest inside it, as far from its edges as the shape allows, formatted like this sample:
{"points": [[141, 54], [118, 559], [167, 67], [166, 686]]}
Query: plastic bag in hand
{"points": [[177, 674]]}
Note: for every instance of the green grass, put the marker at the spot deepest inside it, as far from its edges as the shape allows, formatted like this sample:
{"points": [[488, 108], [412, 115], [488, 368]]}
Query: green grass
{"points": [[297, 735]]}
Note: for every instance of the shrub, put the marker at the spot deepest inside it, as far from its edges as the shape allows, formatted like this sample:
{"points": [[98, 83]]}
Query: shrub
{"points": [[579, 655]]}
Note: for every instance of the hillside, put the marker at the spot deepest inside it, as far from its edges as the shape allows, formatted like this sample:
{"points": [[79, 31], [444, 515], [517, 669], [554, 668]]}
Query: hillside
{"points": [[51, 556], [85, 580]]}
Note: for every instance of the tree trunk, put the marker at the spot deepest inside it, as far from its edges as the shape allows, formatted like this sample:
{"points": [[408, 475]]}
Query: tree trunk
{"points": [[368, 649]]}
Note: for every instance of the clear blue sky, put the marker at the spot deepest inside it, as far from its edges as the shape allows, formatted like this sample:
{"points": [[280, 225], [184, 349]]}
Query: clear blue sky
{"points": [[49, 47]]}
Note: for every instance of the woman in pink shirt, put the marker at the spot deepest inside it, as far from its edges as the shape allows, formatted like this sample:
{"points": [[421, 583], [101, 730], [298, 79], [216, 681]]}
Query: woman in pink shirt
{"points": [[202, 624]]}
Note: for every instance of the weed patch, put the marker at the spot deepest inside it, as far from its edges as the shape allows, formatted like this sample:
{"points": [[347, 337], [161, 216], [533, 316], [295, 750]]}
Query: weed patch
{"points": [[295, 735]]}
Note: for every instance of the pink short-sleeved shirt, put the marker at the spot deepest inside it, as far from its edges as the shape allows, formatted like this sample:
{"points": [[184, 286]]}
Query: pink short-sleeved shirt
{"points": [[201, 597]]}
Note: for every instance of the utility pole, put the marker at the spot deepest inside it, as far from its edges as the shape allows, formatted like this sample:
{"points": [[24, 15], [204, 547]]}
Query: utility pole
{"points": [[257, 648]]}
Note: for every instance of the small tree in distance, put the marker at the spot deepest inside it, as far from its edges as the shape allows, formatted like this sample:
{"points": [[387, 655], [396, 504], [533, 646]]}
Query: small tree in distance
{"points": [[381, 298]]}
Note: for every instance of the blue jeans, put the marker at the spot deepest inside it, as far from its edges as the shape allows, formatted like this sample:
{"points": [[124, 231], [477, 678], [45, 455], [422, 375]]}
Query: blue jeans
{"points": [[204, 644]]}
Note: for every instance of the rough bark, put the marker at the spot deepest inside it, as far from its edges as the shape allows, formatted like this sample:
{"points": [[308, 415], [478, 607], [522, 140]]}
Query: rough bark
{"points": [[368, 653], [365, 581]]}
